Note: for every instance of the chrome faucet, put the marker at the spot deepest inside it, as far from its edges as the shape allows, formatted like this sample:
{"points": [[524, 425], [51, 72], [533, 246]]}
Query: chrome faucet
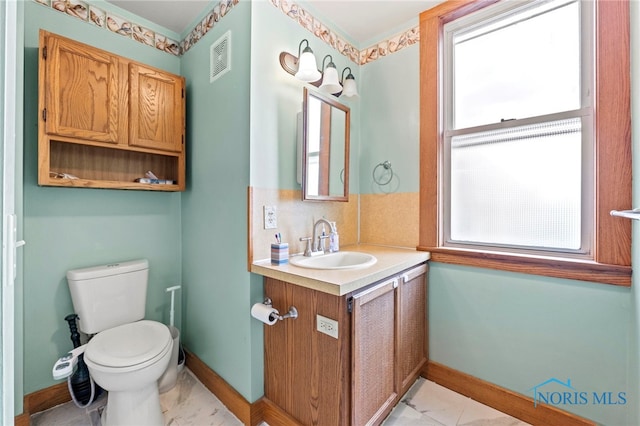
{"points": [[318, 240]]}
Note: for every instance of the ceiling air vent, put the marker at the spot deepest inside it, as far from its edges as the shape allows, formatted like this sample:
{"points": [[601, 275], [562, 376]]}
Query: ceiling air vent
{"points": [[220, 57]]}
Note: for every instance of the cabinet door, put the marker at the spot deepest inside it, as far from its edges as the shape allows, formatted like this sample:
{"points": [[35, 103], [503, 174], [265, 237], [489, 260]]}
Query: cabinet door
{"points": [[157, 109], [374, 353], [81, 91], [412, 326]]}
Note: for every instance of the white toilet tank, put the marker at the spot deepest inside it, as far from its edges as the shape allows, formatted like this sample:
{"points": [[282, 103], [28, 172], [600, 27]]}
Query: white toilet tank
{"points": [[109, 295]]}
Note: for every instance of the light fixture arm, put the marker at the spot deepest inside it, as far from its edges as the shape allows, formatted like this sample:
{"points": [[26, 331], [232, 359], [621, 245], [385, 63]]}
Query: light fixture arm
{"points": [[350, 74], [300, 51], [330, 64]]}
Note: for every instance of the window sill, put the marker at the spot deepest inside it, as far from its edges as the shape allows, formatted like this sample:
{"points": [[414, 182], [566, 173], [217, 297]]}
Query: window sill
{"points": [[574, 269]]}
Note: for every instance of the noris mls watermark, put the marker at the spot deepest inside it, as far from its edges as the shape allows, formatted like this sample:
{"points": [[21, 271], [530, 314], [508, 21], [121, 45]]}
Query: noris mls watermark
{"points": [[558, 393]]}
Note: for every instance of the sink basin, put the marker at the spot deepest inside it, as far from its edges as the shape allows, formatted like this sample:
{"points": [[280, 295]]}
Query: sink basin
{"points": [[339, 260]]}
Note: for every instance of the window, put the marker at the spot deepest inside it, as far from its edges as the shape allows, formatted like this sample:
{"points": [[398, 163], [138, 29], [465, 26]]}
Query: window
{"points": [[525, 137], [515, 107]]}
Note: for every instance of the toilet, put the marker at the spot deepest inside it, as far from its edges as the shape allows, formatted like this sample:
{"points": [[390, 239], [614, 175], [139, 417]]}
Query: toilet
{"points": [[127, 354]]}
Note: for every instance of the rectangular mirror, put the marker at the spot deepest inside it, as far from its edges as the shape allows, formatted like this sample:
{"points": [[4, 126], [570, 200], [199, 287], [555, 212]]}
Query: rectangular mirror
{"points": [[325, 160]]}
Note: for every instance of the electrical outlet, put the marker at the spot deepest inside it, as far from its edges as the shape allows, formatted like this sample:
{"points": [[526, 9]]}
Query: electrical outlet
{"points": [[270, 217], [327, 326]]}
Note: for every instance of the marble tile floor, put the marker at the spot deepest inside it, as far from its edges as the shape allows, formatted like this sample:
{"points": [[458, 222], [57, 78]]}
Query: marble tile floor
{"points": [[429, 404], [189, 403]]}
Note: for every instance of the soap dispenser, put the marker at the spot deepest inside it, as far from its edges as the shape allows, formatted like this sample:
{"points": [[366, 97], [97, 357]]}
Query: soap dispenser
{"points": [[334, 238]]}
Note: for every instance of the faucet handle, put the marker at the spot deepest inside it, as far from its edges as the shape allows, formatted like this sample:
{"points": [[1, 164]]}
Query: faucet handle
{"points": [[307, 251], [320, 246]]}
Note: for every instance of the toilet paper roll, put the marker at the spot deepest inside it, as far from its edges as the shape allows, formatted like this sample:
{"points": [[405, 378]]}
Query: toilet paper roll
{"points": [[265, 313]]}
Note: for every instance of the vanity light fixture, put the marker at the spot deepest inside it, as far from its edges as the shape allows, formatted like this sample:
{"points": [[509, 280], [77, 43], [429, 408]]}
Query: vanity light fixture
{"points": [[350, 89], [330, 83], [303, 66]]}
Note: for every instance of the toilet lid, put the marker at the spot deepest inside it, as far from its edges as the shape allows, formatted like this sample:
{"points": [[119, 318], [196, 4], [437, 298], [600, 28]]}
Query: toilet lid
{"points": [[129, 344]]}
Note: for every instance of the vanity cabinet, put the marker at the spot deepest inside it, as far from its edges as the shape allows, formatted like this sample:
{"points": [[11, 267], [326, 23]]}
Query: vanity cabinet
{"points": [[106, 119], [374, 352], [358, 377]]}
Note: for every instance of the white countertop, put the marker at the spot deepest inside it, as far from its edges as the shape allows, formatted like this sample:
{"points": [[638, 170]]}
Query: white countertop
{"points": [[391, 260]]}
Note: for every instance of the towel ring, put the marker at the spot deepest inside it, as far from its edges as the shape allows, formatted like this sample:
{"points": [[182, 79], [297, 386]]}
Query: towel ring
{"points": [[387, 166]]}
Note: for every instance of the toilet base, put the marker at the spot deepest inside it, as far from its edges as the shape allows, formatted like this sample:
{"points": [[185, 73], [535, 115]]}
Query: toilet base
{"points": [[140, 407]]}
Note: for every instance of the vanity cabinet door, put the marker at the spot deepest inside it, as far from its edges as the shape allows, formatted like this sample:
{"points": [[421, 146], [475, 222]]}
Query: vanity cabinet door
{"points": [[81, 91], [157, 109], [373, 349], [412, 326]]}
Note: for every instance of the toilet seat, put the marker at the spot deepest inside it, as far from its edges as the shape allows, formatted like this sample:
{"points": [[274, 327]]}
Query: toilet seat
{"points": [[129, 347]]}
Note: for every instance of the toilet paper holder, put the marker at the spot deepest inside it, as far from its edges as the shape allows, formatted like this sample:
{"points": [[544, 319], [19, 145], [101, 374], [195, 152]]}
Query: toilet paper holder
{"points": [[293, 312]]}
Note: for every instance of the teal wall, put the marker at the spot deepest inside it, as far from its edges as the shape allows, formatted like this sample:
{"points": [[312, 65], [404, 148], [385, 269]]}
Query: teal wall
{"points": [[519, 330], [390, 127], [217, 293], [68, 228], [276, 98]]}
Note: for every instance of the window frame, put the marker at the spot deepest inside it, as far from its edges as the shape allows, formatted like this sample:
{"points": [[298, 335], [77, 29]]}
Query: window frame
{"points": [[610, 260]]}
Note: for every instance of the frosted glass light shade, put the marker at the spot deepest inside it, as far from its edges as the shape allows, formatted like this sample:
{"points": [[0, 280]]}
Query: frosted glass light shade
{"points": [[307, 68], [350, 88], [330, 82]]}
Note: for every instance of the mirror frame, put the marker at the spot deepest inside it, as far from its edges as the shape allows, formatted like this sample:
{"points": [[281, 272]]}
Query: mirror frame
{"points": [[332, 101]]}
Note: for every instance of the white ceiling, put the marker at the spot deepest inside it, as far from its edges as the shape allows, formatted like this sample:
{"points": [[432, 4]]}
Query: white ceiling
{"points": [[365, 20], [361, 20], [165, 13]]}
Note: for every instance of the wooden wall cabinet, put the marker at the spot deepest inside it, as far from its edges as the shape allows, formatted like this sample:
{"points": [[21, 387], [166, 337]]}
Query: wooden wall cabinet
{"points": [[106, 119], [357, 378]]}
